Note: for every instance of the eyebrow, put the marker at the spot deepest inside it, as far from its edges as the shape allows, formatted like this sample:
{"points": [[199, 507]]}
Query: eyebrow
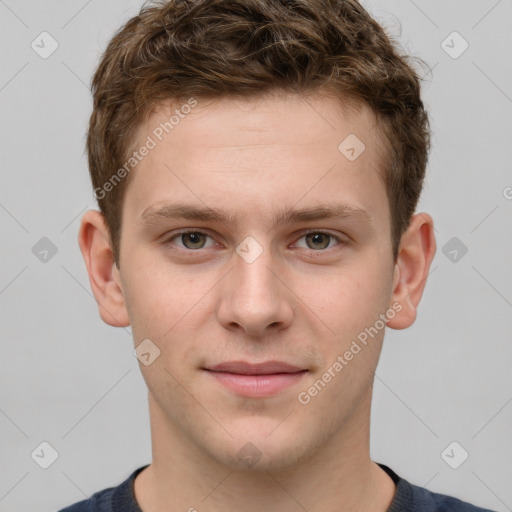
{"points": [[171, 211]]}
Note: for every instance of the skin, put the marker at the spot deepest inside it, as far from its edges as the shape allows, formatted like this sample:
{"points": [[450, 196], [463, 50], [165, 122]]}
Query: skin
{"points": [[301, 301]]}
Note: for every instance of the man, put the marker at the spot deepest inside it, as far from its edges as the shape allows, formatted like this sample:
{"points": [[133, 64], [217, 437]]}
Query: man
{"points": [[257, 165]]}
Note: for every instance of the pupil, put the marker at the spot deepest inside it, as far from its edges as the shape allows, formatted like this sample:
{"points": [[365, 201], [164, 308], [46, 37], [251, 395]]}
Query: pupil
{"points": [[317, 238], [193, 237]]}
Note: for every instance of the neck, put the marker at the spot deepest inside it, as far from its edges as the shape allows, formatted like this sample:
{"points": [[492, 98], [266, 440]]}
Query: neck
{"points": [[340, 476]]}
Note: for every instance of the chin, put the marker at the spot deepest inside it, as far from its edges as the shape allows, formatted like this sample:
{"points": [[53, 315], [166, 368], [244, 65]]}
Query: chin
{"points": [[261, 453]]}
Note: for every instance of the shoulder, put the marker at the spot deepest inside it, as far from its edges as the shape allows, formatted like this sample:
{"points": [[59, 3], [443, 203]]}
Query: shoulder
{"points": [[441, 502], [112, 499], [412, 498]]}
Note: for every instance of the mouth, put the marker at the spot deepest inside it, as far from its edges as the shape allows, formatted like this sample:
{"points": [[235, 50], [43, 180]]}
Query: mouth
{"points": [[256, 380]]}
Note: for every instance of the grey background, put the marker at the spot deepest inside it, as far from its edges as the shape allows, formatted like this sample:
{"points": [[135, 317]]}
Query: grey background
{"points": [[71, 380]]}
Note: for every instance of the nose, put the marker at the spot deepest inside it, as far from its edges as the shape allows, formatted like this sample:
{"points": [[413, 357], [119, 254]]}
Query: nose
{"points": [[255, 297]]}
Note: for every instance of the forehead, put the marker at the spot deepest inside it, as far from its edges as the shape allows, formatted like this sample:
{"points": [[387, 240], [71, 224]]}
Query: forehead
{"points": [[276, 117], [267, 152]]}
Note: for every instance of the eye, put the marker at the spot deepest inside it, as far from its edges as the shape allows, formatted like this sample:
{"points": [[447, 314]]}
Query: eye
{"points": [[193, 240], [317, 240], [190, 239]]}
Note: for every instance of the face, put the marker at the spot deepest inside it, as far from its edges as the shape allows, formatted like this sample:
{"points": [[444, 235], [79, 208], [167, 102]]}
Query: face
{"points": [[255, 284]]}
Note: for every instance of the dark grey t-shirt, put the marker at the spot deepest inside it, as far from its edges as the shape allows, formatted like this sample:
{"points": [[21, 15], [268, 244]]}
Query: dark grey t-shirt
{"points": [[408, 498]]}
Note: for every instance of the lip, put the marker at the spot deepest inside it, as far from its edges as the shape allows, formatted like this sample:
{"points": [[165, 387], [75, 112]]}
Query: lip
{"points": [[256, 380], [266, 368]]}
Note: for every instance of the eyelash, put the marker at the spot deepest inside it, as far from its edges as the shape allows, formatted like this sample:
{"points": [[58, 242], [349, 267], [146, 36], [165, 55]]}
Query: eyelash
{"points": [[176, 234]]}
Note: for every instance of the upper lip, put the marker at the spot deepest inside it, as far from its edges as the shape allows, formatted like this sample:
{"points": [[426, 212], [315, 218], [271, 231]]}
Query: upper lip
{"points": [[266, 368]]}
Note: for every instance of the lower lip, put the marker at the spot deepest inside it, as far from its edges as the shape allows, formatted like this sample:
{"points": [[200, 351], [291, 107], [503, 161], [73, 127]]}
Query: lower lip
{"points": [[257, 385]]}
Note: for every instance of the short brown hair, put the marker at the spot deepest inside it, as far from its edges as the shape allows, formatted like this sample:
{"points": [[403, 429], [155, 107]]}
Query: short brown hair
{"points": [[213, 48]]}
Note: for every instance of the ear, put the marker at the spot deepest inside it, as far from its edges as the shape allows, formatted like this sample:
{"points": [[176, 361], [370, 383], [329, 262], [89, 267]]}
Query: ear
{"points": [[94, 242], [415, 254]]}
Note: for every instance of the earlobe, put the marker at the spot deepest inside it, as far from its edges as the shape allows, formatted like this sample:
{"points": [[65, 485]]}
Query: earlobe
{"points": [[94, 242], [415, 255]]}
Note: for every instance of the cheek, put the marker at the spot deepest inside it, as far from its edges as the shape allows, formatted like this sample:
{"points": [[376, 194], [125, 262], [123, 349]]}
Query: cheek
{"points": [[156, 297], [352, 297], [170, 307]]}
